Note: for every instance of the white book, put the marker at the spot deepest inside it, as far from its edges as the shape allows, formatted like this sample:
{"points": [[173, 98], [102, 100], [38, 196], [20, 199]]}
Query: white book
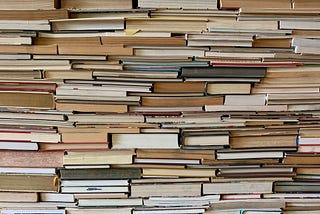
{"points": [[179, 210], [4, 211], [241, 100], [27, 170], [110, 202], [88, 183], [95, 189], [19, 146], [56, 197], [300, 25]]}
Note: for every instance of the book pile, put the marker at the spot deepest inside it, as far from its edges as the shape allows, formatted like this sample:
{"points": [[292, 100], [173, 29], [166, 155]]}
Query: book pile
{"points": [[159, 106]]}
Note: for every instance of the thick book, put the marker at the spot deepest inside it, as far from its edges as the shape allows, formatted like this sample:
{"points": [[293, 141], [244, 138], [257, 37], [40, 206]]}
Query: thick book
{"points": [[237, 187], [96, 174], [29, 183], [96, 4], [180, 189], [27, 100], [145, 141], [202, 72]]}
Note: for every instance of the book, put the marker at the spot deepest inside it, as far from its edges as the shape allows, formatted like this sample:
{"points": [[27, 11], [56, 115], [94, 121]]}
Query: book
{"points": [[29, 183], [28, 5], [127, 202], [179, 172], [181, 189], [237, 187], [199, 72], [18, 197], [27, 100], [98, 157], [88, 24], [31, 159], [185, 4], [95, 4], [147, 141], [96, 174], [180, 101], [227, 88], [236, 4]]}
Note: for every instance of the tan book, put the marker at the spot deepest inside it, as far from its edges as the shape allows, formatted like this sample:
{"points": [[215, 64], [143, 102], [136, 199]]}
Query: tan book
{"points": [[179, 172], [84, 49], [176, 153], [84, 136], [263, 141], [306, 4], [237, 187], [27, 100], [228, 88], [96, 157], [206, 140], [72, 146], [29, 183], [143, 41], [272, 43], [181, 102], [94, 41], [28, 5], [68, 74], [96, 4], [184, 4], [103, 23], [181, 189], [18, 197], [186, 87], [25, 14], [236, 4], [167, 24], [82, 107]]}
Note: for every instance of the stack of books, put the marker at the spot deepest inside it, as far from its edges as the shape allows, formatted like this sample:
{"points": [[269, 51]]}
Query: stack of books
{"points": [[159, 106]]}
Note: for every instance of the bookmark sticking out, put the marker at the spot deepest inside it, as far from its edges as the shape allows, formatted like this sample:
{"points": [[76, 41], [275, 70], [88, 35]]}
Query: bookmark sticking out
{"points": [[131, 32]]}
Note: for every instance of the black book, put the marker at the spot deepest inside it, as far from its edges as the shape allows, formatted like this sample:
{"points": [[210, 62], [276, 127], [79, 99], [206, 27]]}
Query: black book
{"points": [[101, 173], [234, 72]]}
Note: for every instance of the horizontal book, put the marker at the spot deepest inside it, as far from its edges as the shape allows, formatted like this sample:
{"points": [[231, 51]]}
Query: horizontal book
{"points": [[98, 157], [238, 187], [29, 183], [27, 100], [18, 197], [181, 189], [88, 24], [31, 159], [127, 202], [249, 72], [98, 174], [96, 4], [128, 141]]}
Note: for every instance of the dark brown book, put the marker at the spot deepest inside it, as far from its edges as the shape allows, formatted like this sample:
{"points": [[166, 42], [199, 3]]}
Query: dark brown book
{"points": [[181, 101], [233, 72], [83, 174]]}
